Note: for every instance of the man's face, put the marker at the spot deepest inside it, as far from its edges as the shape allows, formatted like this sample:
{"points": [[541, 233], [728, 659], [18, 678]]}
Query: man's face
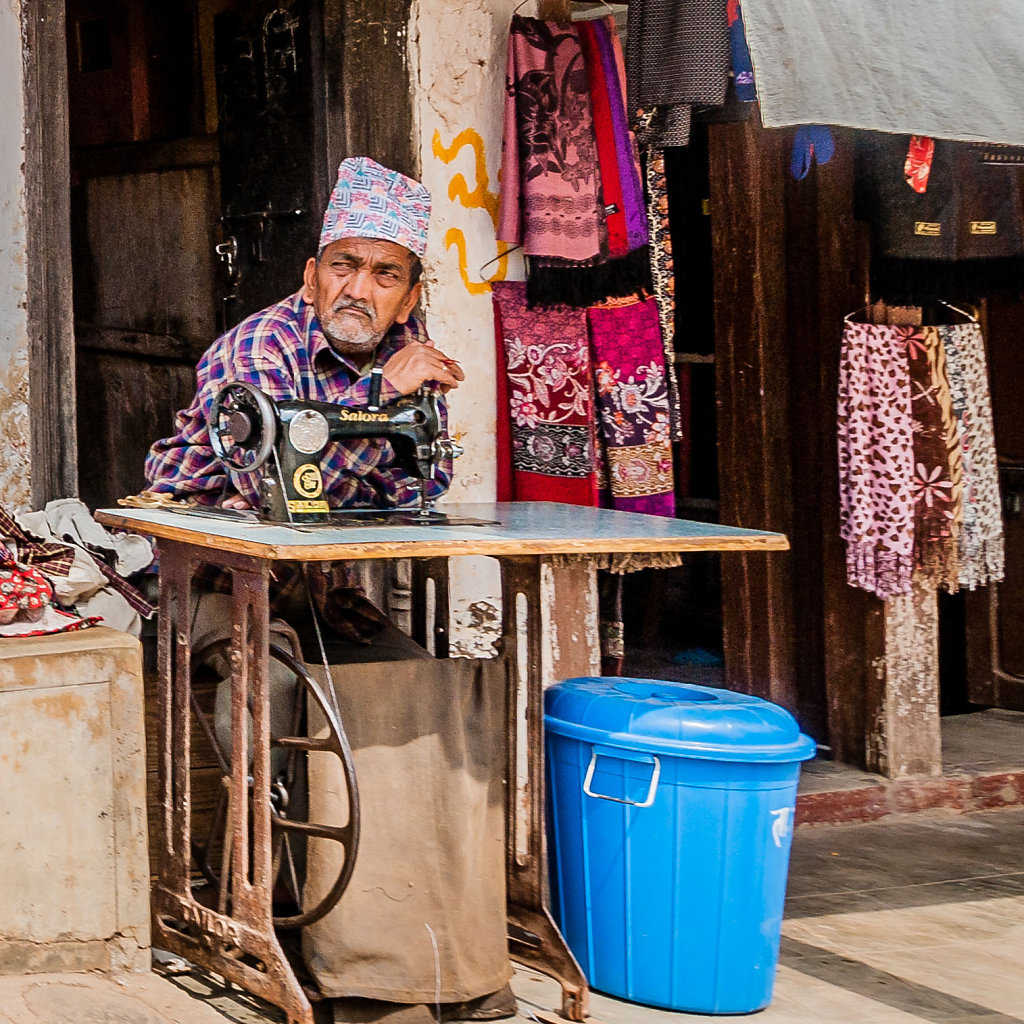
{"points": [[359, 288]]}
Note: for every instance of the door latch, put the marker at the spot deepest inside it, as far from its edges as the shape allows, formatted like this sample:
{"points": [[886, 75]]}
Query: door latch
{"points": [[227, 252]]}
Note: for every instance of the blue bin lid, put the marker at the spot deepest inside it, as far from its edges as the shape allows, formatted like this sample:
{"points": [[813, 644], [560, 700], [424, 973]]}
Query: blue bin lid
{"points": [[674, 718]]}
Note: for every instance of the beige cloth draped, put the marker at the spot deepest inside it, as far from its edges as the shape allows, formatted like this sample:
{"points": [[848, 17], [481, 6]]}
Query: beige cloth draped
{"points": [[428, 738]]}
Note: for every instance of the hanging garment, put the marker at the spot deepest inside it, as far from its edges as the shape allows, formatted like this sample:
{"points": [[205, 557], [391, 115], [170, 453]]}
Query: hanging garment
{"points": [[959, 239], [550, 186], [632, 401], [981, 547], [663, 279], [662, 127], [812, 144], [948, 70], [677, 55], [742, 66], [917, 168], [876, 458], [625, 268], [547, 376], [938, 464]]}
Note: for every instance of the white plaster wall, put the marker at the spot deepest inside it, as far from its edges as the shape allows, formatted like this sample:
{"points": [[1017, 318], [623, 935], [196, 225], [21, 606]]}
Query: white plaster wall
{"points": [[458, 52], [15, 483]]}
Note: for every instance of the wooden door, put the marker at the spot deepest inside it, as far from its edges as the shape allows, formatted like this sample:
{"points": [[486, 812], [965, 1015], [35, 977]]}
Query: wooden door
{"points": [[143, 207], [995, 614], [273, 166]]}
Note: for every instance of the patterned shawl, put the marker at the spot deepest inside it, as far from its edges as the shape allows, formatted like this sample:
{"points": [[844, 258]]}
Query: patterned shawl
{"points": [[548, 384], [632, 401], [981, 555], [624, 269], [663, 278], [938, 465], [550, 186], [677, 55], [876, 459]]}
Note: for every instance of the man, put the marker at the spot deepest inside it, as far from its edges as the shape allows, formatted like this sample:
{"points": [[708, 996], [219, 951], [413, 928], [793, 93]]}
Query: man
{"points": [[353, 313], [377, 954]]}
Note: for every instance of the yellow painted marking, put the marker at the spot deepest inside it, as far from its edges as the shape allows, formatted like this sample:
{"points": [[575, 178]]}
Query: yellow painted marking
{"points": [[480, 197]]}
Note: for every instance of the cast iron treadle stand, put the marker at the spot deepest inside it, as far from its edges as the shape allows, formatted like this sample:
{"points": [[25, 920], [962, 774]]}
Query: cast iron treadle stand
{"points": [[239, 942], [237, 939]]}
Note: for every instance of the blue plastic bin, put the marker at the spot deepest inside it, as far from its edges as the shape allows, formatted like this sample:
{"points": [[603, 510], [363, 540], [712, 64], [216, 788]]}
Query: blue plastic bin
{"points": [[670, 821]]}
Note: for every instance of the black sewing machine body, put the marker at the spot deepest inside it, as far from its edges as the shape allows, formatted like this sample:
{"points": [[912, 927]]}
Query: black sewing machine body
{"points": [[287, 440]]}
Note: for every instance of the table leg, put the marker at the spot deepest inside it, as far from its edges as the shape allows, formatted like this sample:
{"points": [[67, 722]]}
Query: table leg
{"points": [[432, 623], [528, 593], [237, 942]]}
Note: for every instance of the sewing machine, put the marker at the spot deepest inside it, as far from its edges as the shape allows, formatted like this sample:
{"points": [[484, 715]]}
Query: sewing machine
{"points": [[250, 431]]}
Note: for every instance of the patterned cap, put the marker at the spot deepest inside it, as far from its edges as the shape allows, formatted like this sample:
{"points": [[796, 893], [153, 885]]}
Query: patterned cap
{"points": [[370, 201]]}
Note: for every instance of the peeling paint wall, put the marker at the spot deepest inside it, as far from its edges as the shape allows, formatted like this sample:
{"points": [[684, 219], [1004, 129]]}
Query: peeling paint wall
{"points": [[458, 50], [15, 481]]}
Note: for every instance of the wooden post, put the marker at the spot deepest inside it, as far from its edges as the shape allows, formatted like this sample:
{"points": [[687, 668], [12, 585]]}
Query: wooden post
{"points": [[369, 93], [840, 628], [48, 257], [751, 362], [903, 721]]}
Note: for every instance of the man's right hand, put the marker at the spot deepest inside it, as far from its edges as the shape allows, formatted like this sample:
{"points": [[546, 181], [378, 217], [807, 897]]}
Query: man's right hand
{"points": [[419, 363]]}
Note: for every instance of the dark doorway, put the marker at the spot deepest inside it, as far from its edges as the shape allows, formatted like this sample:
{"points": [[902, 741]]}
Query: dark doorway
{"points": [[195, 137]]}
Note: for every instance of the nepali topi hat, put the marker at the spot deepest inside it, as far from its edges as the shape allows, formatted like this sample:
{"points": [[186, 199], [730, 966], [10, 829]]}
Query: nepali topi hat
{"points": [[371, 201]]}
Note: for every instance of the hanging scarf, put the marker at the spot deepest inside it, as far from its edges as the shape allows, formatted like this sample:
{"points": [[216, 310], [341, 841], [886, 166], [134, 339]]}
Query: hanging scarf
{"points": [[625, 270], [876, 459], [677, 55], [742, 66], [548, 383], [938, 466], [550, 186], [981, 554], [632, 401], [663, 278]]}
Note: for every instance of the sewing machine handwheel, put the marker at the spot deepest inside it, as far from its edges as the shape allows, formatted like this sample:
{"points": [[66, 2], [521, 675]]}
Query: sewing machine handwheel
{"points": [[287, 785], [332, 740], [242, 409]]}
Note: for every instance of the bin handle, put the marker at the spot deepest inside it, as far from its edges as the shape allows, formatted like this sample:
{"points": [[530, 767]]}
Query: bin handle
{"points": [[589, 778]]}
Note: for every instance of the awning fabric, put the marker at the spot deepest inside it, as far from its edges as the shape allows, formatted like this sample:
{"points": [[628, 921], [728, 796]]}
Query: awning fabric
{"points": [[952, 69]]}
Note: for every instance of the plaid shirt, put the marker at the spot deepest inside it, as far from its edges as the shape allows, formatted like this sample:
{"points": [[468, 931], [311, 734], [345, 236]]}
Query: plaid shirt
{"points": [[283, 352]]}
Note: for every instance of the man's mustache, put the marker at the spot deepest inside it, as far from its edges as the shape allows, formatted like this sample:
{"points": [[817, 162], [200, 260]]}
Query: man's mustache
{"points": [[359, 307]]}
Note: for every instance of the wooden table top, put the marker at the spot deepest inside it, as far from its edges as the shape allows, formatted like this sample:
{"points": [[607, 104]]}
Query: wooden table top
{"points": [[521, 528]]}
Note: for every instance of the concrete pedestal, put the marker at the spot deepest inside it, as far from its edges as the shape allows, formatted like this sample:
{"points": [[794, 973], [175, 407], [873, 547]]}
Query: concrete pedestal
{"points": [[74, 870]]}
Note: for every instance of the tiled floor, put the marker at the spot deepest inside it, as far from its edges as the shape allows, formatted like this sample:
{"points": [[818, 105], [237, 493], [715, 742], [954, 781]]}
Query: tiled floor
{"points": [[913, 919], [907, 920]]}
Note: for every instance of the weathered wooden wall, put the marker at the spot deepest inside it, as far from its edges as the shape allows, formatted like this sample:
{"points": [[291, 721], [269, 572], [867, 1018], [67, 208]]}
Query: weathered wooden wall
{"points": [[752, 355], [790, 263], [144, 293], [48, 253], [366, 64]]}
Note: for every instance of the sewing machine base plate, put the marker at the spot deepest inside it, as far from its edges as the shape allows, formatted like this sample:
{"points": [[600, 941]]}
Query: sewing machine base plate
{"points": [[349, 517]]}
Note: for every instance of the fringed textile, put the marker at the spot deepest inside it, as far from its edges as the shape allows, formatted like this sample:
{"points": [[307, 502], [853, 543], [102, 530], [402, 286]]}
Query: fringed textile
{"points": [[624, 268], [981, 547], [550, 188], [663, 278], [876, 459], [548, 382], [938, 464], [632, 400]]}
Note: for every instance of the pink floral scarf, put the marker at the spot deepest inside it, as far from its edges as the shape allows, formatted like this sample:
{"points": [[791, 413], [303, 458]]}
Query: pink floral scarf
{"points": [[876, 458], [550, 182], [632, 402], [547, 381]]}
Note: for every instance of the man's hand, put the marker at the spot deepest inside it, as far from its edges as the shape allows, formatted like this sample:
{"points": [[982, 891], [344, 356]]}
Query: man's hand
{"points": [[420, 363], [237, 502]]}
